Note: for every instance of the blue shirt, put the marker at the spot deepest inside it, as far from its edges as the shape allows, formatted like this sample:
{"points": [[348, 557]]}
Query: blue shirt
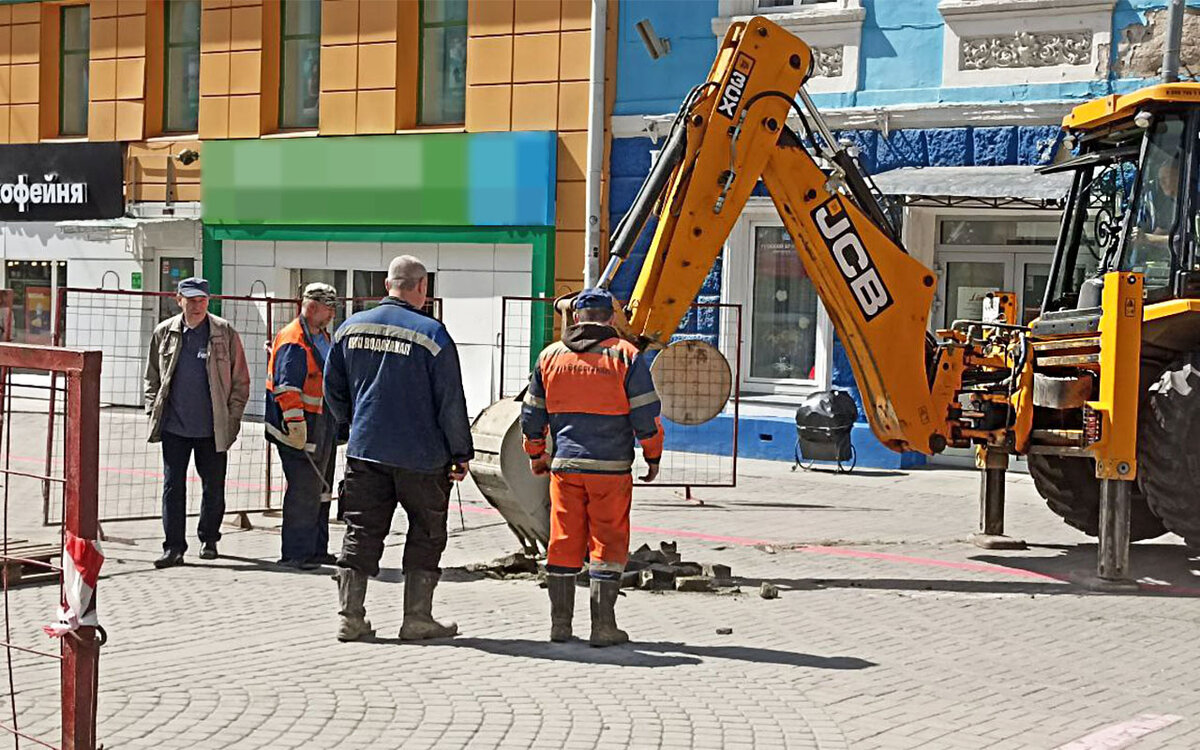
{"points": [[188, 410]]}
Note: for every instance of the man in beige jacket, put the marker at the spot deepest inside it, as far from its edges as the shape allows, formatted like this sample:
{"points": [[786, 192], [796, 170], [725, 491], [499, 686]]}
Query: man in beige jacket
{"points": [[197, 386]]}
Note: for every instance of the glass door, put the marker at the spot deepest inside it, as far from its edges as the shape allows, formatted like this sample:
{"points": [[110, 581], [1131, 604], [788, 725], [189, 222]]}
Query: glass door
{"points": [[967, 278], [171, 271], [1032, 275]]}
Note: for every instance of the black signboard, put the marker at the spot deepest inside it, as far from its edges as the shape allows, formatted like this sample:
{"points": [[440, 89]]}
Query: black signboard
{"points": [[56, 181]]}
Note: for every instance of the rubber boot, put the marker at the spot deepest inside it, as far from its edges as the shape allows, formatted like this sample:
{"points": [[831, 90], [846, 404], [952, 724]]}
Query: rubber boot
{"points": [[562, 605], [418, 608], [604, 620], [352, 592]]}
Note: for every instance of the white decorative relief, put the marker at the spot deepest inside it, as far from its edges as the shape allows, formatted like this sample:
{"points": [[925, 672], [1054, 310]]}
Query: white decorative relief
{"points": [[827, 62], [832, 29], [1025, 50], [1015, 42]]}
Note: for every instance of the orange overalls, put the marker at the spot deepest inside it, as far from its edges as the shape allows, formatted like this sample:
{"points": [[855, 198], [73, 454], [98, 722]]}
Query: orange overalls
{"points": [[594, 393]]}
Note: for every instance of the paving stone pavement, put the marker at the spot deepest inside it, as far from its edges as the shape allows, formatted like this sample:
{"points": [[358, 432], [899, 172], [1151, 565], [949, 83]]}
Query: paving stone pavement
{"points": [[891, 631]]}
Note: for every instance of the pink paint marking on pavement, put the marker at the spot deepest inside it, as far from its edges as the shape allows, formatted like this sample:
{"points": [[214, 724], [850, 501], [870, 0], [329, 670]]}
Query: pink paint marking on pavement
{"points": [[816, 549], [1122, 735]]}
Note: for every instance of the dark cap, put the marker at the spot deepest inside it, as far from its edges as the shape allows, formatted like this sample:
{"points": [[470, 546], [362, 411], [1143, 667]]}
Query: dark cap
{"points": [[193, 287], [594, 299]]}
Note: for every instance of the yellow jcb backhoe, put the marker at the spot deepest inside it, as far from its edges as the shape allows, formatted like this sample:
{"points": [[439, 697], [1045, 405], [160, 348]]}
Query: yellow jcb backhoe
{"points": [[1101, 392]]}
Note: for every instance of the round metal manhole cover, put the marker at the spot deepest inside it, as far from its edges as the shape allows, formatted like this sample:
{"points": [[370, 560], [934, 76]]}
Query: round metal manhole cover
{"points": [[693, 380]]}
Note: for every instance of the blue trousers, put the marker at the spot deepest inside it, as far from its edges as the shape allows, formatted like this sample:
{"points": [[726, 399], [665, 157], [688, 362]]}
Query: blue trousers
{"points": [[210, 465], [305, 532]]}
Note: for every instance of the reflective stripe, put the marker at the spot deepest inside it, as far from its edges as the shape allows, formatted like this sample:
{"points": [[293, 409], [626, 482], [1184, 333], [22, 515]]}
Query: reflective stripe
{"points": [[616, 353], [384, 330], [293, 414], [589, 464], [534, 401], [312, 400], [643, 400], [284, 388], [602, 566]]}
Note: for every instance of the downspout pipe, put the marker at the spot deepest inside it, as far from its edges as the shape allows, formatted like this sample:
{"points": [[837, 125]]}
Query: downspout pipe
{"points": [[595, 143], [1174, 40]]}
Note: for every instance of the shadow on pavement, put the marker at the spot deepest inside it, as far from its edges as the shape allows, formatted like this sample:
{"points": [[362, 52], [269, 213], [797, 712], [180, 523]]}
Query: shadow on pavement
{"points": [[1162, 569], [643, 653]]}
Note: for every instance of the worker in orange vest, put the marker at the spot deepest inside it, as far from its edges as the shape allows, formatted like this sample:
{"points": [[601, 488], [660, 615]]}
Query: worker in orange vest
{"points": [[593, 392]]}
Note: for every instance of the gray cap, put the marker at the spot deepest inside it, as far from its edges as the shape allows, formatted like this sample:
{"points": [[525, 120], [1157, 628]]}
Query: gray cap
{"points": [[406, 271], [321, 292], [193, 287]]}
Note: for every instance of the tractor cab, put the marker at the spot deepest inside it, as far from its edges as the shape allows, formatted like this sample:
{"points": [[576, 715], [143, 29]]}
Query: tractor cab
{"points": [[1132, 205]]}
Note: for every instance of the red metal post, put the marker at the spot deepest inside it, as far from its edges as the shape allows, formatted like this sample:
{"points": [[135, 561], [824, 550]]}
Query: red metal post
{"points": [[81, 650]]}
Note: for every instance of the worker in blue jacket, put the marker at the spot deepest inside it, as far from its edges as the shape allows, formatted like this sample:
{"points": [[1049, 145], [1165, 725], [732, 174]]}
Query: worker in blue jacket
{"points": [[393, 375]]}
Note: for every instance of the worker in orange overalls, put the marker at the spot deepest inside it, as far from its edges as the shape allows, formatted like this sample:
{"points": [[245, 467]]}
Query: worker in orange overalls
{"points": [[593, 392]]}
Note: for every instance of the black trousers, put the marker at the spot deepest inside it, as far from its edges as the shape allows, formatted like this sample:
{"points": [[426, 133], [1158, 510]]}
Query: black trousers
{"points": [[210, 465], [369, 497]]}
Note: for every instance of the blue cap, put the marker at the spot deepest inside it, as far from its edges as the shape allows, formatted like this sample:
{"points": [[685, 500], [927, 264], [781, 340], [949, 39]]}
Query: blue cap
{"points": [[594, 299], [193, 287]]}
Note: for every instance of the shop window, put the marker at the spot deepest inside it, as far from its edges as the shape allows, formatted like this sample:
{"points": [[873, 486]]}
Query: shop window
{"points": [[73, 57], [784, 320], [300, 68], [369, 288], [181, 98], [998, 232], [35, 284], [443, 62]]}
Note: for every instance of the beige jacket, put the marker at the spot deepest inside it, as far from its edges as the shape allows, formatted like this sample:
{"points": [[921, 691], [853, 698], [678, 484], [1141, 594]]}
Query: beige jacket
{"points": [[228, 376]]}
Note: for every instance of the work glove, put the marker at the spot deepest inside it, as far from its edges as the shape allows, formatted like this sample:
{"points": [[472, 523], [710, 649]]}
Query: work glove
{"points": [[540, 466], [296, 435], [651, 471]]}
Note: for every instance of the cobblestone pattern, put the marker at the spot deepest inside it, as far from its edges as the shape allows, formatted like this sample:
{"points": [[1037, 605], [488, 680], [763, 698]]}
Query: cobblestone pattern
{"points": [[891, 632]]}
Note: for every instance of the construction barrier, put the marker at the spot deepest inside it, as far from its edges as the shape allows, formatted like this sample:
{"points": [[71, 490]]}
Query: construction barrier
{"points": [[120, 323], [703, 455], [49, 448]]}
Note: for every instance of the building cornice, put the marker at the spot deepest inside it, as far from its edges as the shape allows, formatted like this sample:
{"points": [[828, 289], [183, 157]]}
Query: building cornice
{"points": [[951, 8], [906, 116]]}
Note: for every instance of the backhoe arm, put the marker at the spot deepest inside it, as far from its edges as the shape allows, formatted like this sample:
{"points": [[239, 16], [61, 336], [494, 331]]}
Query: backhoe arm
{"points": [[733, 132]]}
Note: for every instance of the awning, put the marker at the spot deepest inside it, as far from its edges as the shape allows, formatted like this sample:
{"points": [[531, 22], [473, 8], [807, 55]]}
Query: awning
{"points": [[995, 187], [119, 224]]}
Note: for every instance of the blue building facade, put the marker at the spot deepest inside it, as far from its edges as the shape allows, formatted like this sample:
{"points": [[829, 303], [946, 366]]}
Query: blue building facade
{"points": [[965, 96]]}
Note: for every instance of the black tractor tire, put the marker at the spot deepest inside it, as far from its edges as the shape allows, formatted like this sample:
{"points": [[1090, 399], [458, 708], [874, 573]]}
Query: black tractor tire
{"points": [[1169, 448], [1071, 489]]}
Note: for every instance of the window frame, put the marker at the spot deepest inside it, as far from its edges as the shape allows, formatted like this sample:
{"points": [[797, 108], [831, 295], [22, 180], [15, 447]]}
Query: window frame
{"points": [[63, 54], [738, 286], [167, 48], [422, 25], [284, 38]]}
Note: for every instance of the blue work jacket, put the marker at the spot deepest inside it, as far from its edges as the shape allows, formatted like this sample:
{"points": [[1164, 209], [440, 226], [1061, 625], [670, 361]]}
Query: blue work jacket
{"points": [[393, 375]]}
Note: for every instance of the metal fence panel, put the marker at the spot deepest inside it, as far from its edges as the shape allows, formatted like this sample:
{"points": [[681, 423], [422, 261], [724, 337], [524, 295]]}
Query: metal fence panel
{"points": [[51, 689], [712, 460]]}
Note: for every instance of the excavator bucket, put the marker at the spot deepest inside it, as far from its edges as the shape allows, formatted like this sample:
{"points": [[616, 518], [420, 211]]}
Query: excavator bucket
{"points": [[501, 472]]}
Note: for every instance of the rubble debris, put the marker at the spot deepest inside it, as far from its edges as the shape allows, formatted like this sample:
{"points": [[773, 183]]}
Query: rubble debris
{"points": [[768, 590], [689, 569], [517, 565], [669, 552], [630, 579], [724, 631], [694, 583], [657, 577], [717, 571]]}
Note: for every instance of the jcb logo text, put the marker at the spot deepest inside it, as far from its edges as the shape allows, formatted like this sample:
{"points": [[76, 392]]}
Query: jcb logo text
{"points": [[852, 259], [731, 96]]}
